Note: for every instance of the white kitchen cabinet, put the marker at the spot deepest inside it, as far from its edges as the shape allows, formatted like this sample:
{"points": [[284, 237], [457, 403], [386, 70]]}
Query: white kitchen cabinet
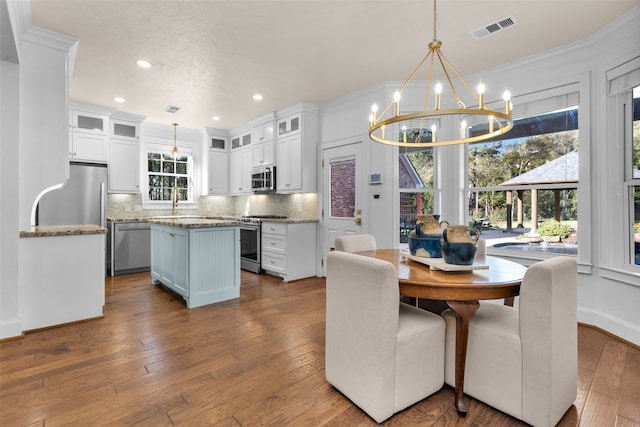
{"points": [[262, 154], [263, 132], [88, 122], [240, 141], [289, 170], [124, 152], [217, 143], [124, 129], [289, 249], [297, 145], [88, 135], [240, 171], [90, 147], [124, 166], [218, 167], [202, 264], [290, 124]]}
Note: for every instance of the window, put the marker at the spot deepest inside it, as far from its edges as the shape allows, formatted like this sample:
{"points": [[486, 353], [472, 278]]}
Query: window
{"points": [[416, 181], [166, 174], [633, 184], [343, 189], [530, 178]]}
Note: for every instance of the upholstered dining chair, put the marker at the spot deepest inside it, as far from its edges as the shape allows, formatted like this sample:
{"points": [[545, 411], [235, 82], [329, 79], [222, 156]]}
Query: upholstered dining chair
{"points": [[523, 361], [355, 243], [382, 354]]}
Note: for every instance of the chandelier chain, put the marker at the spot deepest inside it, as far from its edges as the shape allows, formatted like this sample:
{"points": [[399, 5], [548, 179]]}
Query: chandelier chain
{"points": [[435, 37]]}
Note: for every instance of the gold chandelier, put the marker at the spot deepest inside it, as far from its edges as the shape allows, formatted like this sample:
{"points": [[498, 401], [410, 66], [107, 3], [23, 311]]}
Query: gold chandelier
{"points": [[421, 125]]}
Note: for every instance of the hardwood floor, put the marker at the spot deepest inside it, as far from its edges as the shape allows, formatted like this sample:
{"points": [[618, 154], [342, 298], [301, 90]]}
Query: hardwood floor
{"points": [[257, 360]]}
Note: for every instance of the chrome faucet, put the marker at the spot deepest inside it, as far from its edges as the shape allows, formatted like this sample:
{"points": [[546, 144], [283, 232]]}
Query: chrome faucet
{"points": [[174, 201]]}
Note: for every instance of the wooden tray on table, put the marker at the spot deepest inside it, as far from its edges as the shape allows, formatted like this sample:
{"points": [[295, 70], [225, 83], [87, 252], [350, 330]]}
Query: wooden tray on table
{"points": [[439, 264]]}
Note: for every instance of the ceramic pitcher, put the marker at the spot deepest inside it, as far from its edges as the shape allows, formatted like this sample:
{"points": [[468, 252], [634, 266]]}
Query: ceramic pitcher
{"points": [[460, 234]]}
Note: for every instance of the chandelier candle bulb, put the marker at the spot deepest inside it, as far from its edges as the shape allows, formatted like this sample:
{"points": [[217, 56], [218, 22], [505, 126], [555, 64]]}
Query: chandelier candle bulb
{"points": [[481, 96], [396, 99], [507, 100], [404, 134], [438, 92], [433, 133]]}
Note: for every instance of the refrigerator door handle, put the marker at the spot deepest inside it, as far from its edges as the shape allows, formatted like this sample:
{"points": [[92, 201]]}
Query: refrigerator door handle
{"points": [[102, 206]]}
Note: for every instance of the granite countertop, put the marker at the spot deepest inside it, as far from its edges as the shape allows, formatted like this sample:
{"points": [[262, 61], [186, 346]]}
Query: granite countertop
{"points": [[141, 219], [219, 218], [290, 220], [191, 222], [63, 230]]}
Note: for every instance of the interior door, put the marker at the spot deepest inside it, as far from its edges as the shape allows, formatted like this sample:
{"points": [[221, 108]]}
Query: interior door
{"points": [[343, 194]]}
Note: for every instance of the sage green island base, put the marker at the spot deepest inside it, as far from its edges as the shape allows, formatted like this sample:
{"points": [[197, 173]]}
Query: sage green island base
{"points": [[197, 258]]}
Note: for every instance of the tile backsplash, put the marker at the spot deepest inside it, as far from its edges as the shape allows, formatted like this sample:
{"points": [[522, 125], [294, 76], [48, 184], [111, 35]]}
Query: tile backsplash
{"points": [[294, 206]]}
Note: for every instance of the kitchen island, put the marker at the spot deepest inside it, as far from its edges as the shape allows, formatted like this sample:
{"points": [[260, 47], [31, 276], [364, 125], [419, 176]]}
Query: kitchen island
{"points": [[198, 258]]}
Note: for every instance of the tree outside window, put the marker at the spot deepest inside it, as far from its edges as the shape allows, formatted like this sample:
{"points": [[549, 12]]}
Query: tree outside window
{"points": [[167, 174], [533, 173], [416, 181]]}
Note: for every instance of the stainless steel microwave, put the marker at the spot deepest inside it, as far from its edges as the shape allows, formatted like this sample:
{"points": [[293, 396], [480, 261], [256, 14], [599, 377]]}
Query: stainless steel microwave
{"points": [[263, 179]]}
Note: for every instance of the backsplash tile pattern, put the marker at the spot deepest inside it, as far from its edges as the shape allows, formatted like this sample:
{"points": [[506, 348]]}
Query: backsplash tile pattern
{"points": [[294, 206]]}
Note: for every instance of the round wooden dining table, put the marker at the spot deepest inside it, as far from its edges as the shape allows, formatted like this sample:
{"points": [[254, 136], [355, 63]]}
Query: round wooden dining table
{"points": [[461, 290]]}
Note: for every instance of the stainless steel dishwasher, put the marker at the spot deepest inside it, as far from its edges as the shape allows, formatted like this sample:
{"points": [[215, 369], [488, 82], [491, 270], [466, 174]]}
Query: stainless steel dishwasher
{"points": [[131, 247]]}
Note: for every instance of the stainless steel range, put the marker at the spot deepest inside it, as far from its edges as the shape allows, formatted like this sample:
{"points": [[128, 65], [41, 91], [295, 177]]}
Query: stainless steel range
{"points": [[250, 241]]}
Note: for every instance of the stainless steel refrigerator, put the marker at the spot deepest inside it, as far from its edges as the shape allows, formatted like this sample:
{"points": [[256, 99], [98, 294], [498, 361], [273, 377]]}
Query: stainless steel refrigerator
{"points": [[82, 200]]}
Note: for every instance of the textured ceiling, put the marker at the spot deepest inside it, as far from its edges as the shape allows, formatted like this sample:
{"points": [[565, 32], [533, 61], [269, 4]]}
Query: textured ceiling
{"points": [[211, 56]]}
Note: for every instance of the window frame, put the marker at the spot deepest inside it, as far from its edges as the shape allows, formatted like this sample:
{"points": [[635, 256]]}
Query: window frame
{"points": [[165, 147], [620, 81], [629, 182], [539, 102]]}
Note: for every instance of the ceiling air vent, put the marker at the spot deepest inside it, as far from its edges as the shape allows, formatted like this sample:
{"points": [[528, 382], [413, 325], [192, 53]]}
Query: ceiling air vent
{"points": [[172, 109], [500, 24]]}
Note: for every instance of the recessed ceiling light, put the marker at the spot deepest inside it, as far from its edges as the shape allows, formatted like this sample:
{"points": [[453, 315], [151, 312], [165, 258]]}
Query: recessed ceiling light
{"points": [[216, 118], [257, 97], [118, 99], [143, 64]]}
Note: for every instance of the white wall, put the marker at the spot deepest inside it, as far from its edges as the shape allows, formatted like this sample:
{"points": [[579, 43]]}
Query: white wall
{"points": [[10, 324], [609, 291]]}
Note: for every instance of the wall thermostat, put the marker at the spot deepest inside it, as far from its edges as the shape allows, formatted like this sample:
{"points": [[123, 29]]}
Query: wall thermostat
{"points": [[375, 178]]}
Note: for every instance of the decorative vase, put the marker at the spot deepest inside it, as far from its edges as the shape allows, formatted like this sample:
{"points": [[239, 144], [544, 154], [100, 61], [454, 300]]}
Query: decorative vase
{"points": [[459, 244], [424, 240]]}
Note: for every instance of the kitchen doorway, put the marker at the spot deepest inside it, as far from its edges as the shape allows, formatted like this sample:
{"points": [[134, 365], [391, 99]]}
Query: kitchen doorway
{"points": [[343, 186]]}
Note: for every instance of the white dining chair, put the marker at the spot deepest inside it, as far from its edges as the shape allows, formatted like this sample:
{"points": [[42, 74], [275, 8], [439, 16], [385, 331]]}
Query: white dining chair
{"points": [[355, 243], [523, 361], [382, 354]]}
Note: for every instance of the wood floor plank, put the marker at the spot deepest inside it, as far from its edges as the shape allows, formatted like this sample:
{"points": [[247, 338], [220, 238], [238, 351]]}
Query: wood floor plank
{"points": [[254, 360], [609, 372], [626, 422], [629, 407], [600, 411]]}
